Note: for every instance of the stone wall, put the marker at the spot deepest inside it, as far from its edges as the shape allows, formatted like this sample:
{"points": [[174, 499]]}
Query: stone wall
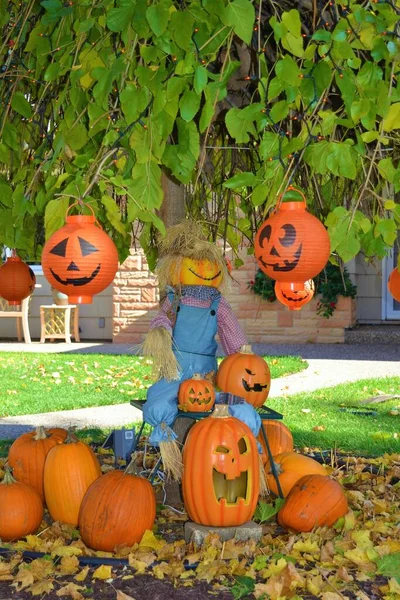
{"points": [[136, 303]]}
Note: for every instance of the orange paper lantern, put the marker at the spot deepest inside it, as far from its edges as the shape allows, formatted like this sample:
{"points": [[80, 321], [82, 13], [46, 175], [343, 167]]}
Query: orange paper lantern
{"points": [[292, 245], [394, 284], [17, 280], [294, 296], [80, 259]]}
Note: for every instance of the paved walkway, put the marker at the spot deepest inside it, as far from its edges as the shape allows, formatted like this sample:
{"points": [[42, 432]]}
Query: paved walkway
{"points": [[329, 364]]}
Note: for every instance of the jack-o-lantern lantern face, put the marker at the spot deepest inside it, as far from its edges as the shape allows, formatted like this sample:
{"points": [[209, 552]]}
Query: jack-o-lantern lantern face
{"points": [[198, 272], [221, 471], [280, 252], [73, 272], [294, 296], [246, 375], [196, 395]]}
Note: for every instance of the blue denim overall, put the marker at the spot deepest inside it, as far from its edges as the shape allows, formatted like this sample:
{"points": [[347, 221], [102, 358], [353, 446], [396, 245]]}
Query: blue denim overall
{"points": [[195, 348]]}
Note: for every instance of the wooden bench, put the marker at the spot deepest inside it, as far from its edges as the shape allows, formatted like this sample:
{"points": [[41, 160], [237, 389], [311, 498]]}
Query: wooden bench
{"points": [[21, 314]]}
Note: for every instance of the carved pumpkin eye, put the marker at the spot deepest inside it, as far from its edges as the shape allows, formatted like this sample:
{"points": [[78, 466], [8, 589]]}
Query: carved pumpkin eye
{"points": [[222, 450], [242, 445], [289, 236]]}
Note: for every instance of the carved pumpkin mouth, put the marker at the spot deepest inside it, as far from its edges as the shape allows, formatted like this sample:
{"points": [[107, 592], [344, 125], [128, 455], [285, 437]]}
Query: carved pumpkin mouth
{"points": [[257, 387], [205, 278], [205, 400], [288, 265], [76, 281], [231, 490]]}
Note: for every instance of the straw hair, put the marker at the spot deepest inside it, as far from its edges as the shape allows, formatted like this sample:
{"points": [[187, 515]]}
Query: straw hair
{"points": [[171, 457], [158, 346], [264, 489]]}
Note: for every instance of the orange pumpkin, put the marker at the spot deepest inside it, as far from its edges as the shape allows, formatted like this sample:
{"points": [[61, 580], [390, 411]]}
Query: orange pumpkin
{"points": [[279, 438], [69, 470], [196, 395], [117, 509], [221, 477], [21, 509], [189, 271], [314, 501], [28, 453], [79, 259], [293, 295], [290, 466], [246, 375], [17, 280], [292, 245], [393, 284]]}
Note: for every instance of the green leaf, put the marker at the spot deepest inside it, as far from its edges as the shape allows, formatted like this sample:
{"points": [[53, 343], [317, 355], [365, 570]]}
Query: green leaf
{"points": [[189, 105], [158, 16], [288, 71], [369, 136], [390, 205], [392, 121], [386, 169], [181, 158], [292, 40], [54, 215], [182, 26], [52, 72], [389, 565], [134, 101], [265, 512], [20, 104], [239, 127], [342, 160], [118, 19], [240, 15], [276, 86], [243, 587], [359, 109], [269, 145], [388, 230], [279, 111], [113, 214], [259, 194], [240, 180], [76, 137], [146, 185], [200, 79]]}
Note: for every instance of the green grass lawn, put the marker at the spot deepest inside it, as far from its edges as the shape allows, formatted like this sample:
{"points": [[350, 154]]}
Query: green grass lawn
{"points": [[37, 383]]}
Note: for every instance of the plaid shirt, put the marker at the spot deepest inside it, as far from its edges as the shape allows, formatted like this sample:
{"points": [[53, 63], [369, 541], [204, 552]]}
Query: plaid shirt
{"points": [[230, 333]]}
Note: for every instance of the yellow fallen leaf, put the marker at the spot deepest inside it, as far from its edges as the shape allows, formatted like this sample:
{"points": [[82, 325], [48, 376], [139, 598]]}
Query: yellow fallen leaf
{"points": [[331, 596], [149, 540], [103, 572], [139, 565], [5, 571], [69, 564], [66, 551], [23, 579], [83, 574], [122, 596], [72, 590], [41, 587]]}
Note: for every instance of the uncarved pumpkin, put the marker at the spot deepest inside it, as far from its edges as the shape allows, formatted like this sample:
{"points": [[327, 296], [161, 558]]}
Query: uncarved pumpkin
{"points": [[290, 467], [221, 478], [313, 501], [117, 509], [279, 438], [394, 284], [28, 453], [245, 374], [196, 394], [69, 470], [21, 509]]}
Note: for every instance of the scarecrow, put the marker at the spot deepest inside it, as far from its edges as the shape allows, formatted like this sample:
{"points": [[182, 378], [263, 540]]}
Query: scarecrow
{"points": [[181, 340]]}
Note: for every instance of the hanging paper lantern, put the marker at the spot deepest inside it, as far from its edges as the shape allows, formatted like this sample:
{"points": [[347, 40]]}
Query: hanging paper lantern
{"points": [[80, 259], [394, 284], [17, 280], [292, 245], [294, 296]]}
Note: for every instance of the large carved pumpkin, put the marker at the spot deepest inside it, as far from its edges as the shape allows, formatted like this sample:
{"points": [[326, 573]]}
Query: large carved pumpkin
{"points": [[79, 259], [293, 295], [189, 271], [292, 245], [290, 466], [313, 501], [196, 395], [245, 374], [221, 478], [279, 438], [394, 284], [21, 509], [17, 280]]}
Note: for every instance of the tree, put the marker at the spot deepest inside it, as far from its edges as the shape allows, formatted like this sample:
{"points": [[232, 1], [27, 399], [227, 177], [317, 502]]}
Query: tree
{"points": [[234, 99]]}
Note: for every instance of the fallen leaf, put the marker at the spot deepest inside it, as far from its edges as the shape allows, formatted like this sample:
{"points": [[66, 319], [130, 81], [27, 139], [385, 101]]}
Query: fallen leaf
{"points": [[69, 564], [122, 596], [66, 551], [41, 587], [23, 579], [72, 590], [103, 572], [149, 540], [83, 574]]}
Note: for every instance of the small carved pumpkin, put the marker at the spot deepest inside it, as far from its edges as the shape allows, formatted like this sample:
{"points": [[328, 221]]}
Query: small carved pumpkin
{"points": [[279, 438], [293, 295], [17, 280], [314, 501], [394, 284], [246, 375], [79, 259], [292, 245], [196, 272], [221, 477], [196, 395], [290, 466]]}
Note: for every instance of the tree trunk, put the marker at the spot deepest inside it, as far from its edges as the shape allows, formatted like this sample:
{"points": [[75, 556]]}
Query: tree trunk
{"points": [[172, 210]]}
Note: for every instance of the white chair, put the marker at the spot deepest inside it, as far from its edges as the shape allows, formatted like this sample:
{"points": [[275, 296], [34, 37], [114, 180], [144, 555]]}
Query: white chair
{"points": [[21, 314]]}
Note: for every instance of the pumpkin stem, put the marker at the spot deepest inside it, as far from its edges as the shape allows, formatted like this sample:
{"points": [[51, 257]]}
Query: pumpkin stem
{"points": [[40, 433], [221, 411], [8, 478], [246, 349], [71, 438], [197, 376]]}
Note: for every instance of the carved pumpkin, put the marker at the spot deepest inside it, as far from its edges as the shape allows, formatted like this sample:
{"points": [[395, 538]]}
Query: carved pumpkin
{"points": [[17, 280], [196, 395], [292, 245], [294, 296], [21, 509], [79, 259], [290, 466], [117, 509], [246, 375], [221, 477], [314, 501], [393, 284], [28, 453], [69, 470], [196, 272], [279, 438]]}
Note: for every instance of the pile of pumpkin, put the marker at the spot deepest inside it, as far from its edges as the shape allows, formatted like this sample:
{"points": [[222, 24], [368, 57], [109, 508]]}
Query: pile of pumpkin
{"points": [[55, 469]]}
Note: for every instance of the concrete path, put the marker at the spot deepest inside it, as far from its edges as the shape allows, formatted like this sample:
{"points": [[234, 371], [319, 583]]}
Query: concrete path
{"points": [[328, 365]]}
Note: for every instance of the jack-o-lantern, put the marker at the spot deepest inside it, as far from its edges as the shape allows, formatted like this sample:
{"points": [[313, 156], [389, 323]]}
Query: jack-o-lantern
{"points": [[292, 245], [394, 284], [294, 296], [79, 259], [196, 272], [221, 477], [17, 280], [196, 395], [245, 374]]}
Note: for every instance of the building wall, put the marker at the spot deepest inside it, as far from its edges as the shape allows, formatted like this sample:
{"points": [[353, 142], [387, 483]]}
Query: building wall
{"points": [[368, 279], [136, 303]]}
